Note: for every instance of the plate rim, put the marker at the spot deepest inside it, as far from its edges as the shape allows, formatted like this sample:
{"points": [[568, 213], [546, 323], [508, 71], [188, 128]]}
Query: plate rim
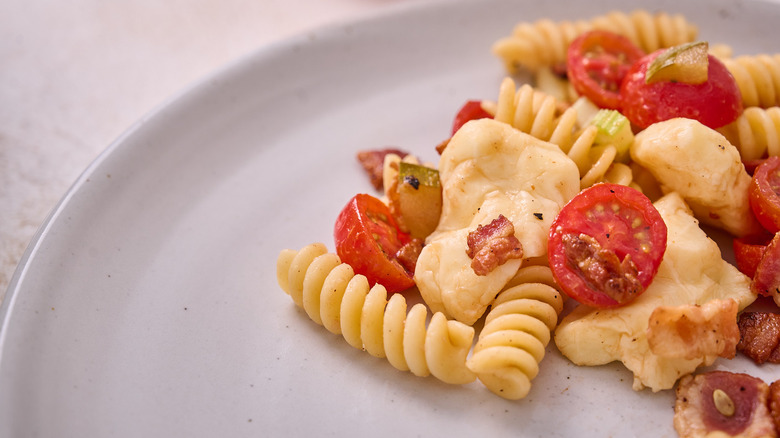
{"points": [[171, 106]]}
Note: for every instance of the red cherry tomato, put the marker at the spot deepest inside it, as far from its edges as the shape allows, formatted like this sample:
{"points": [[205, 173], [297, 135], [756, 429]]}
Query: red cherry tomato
{"points": [[471, 110], [748, 252], [619, 227], [368, 239], [596, 63], [766, 280], [764, 193], [714, 103]]}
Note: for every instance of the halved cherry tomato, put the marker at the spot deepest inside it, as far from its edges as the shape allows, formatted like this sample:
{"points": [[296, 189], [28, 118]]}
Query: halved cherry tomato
{"points": [[766, 280], [714, 103], [368, 239], [606, 244], [471, 110], [748, 252], [596, 63], [764, 193]]}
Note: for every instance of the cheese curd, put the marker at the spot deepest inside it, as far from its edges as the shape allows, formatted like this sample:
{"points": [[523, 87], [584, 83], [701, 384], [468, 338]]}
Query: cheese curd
{"points": [[692, 272], [700, 164], [487, 169]]}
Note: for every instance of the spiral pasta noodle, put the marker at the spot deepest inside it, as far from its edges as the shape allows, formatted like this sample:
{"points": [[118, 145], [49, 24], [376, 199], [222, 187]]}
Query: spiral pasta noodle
{"points": [[758, 78], [537, 114], [755, 133], [333, 296], [516, 333], [544, 43]]}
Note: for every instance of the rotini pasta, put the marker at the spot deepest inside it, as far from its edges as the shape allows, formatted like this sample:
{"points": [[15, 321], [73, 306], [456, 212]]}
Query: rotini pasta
{"points": [[758, 78], [755, 133], [544, 43], [559, 87], [516, 332], [344, 303], [538, 114]]}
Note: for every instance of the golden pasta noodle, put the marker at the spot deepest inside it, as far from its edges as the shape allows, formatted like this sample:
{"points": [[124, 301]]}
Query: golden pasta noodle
{"points": [[516, 332], [644, 179], [721, 51], [755, 133], [758, 78], [544, 43], [333, 296], [556, 85], [538, 114]]}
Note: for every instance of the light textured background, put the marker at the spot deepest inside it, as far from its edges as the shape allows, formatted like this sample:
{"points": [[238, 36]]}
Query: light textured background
{"points": [[75, 74]]}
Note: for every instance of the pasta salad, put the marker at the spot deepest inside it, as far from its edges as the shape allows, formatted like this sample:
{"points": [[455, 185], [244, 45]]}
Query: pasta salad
{"points": [[568, 211]]}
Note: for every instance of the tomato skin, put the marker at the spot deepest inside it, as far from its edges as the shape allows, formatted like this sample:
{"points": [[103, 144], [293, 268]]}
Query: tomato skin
{"points": [[766, 281], [591, 213], [367, 238], [715, 103], [764, 194], [471, 110], [596, 63], [748, 252]]}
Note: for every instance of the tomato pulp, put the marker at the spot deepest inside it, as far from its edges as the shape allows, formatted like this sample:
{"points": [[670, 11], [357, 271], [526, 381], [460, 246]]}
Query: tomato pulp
{"points": [[766, 280], [606, 244], [764, 194], [368, 239], [596, 63], [748, 252], [715, 102]]}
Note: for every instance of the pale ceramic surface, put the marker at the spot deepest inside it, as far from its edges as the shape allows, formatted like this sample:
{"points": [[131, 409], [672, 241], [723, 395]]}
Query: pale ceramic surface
{"points": [[76, 74], [148, 304]]}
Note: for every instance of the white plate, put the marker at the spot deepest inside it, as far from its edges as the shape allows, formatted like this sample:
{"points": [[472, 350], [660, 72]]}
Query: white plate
{"points": [[148, 304]]}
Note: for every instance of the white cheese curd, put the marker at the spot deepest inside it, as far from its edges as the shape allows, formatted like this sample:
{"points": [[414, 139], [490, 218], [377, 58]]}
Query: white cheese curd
{"points": [[699, 163], [487, 169], [692, 272]]}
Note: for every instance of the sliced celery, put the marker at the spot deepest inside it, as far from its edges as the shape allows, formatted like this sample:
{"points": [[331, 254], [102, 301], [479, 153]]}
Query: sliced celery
{"points": [[414, 172], [615, 129], [419, 199], [686, 63]]}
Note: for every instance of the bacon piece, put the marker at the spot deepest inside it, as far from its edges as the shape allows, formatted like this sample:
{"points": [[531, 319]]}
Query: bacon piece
{"points": [[373, 162], [774, 403], [733, 404], [560, 69], [441, 146], [601, 268], [491, 245], [409, 253], [692, 331], [760, 336]]}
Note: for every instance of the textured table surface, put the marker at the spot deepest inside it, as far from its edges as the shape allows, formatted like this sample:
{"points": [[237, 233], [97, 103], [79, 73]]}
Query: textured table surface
{"points": [[76, 74]]}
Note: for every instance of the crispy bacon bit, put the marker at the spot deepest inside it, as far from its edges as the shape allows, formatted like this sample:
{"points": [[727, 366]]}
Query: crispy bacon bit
{"points": [[559, 69], [491, 245], [373, 162], [409, 253], [774, 403], [760, 336], [692, 331], [730, 404], [601, 268], [443, 145]]}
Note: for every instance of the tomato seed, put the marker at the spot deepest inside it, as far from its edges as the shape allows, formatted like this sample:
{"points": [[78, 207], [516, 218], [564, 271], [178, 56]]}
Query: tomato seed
{"points": [[723, 402]]}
